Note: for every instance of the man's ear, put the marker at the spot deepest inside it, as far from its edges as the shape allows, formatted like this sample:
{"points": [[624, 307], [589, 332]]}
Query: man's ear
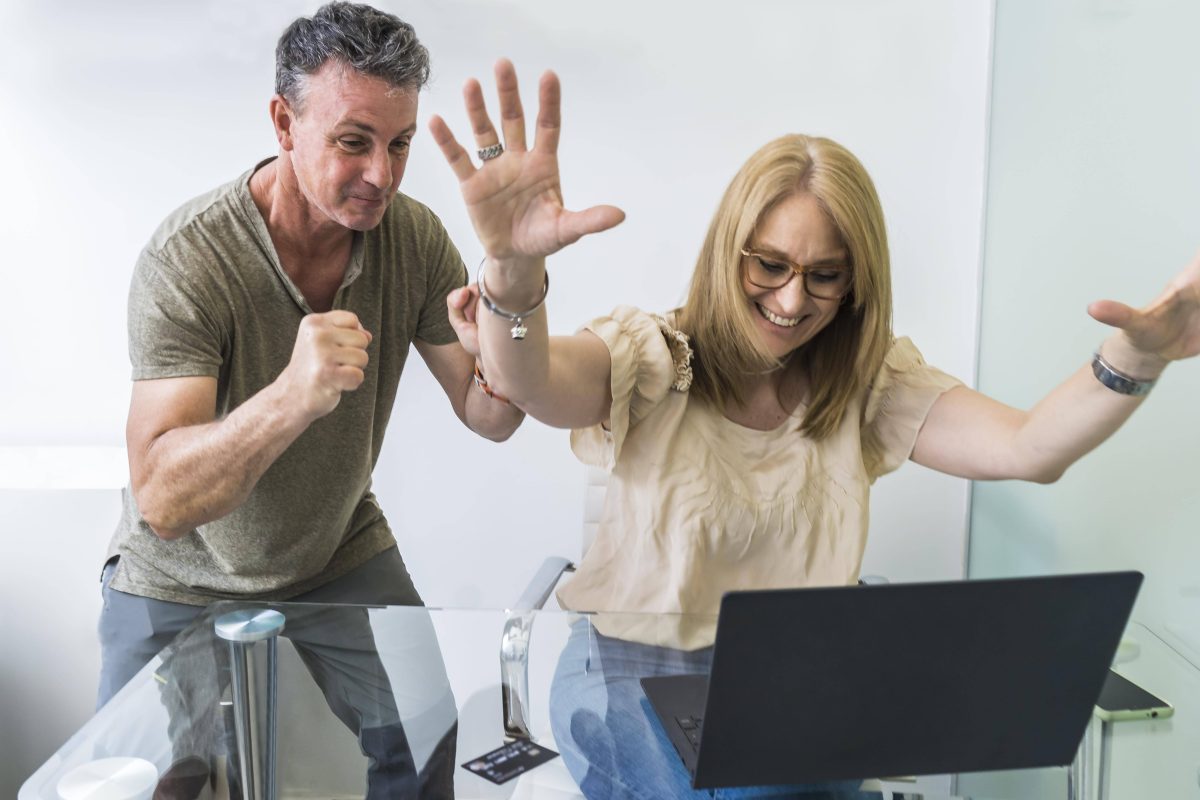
{"points": [[283, 118]]}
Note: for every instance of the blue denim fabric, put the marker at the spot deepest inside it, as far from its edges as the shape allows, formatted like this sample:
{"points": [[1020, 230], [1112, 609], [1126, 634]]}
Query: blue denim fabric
{"points": [[609, 737]]}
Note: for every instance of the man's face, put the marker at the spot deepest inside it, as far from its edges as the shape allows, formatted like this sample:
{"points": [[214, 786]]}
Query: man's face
{"points": [[349, 143]]}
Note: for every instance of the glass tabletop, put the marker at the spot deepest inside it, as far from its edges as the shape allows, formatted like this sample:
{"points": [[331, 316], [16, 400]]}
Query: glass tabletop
{"points": [[359, 701]]}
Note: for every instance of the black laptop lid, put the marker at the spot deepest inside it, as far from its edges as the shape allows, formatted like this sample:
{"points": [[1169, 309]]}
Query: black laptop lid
{"points": [[908, 679]]}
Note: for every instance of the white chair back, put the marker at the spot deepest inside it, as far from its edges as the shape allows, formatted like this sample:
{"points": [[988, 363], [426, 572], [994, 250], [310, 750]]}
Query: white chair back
{"points": [[594, 490]]}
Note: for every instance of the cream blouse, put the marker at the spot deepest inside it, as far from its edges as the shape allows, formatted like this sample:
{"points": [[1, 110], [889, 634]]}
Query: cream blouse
{"points": [[698, 505]]}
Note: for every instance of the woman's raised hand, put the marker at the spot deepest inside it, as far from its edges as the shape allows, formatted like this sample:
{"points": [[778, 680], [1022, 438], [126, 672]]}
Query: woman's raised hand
{"points": [[515, 200], [1169, 327]]}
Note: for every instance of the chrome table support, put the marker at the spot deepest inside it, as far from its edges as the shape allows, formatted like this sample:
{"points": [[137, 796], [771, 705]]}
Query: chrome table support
{"points": [[250, 632], [1080, 773], [1103, 779]]}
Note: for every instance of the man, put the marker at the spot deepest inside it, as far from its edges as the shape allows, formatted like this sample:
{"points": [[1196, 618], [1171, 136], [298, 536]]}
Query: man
{"points": [[269, 322]]}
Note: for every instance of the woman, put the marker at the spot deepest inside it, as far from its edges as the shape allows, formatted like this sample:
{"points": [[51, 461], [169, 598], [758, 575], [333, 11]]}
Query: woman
{"points": [[744, 429]]}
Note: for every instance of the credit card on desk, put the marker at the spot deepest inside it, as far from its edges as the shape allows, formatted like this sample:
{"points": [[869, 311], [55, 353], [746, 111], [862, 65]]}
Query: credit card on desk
{"points": [[509, 760]]}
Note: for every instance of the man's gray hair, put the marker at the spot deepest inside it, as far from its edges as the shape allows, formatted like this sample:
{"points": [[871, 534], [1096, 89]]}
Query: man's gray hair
{"points": [[365, 39]]}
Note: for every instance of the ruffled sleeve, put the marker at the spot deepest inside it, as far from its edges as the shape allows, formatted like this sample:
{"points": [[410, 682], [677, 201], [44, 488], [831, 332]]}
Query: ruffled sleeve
{"points": [[650, 359], [898, 400]]}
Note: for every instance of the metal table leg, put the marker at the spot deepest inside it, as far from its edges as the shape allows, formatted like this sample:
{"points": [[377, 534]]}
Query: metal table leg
{"points": [[1103, 779], [251, 634], [1080, 774]]}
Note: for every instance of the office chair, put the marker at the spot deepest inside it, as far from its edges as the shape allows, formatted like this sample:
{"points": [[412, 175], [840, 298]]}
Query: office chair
{"points": [[514, 643]]}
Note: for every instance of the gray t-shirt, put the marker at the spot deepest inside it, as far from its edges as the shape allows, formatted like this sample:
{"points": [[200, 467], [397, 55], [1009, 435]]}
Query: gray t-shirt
{"points": [[209, 298]]}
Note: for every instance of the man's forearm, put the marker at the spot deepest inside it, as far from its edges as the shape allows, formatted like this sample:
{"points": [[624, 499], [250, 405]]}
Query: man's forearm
{"points": [[199, 473]]}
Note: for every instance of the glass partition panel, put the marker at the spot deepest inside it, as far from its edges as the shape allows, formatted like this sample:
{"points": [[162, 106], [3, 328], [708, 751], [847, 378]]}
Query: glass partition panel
{"points": [[1092, 194]]}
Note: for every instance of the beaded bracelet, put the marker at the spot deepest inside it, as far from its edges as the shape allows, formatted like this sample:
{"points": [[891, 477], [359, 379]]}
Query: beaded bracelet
{"points": [[482, 383]]}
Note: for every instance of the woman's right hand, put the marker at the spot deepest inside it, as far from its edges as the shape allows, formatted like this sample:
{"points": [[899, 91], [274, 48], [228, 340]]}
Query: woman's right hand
{"points": [[1166, 330], [515, 200]]}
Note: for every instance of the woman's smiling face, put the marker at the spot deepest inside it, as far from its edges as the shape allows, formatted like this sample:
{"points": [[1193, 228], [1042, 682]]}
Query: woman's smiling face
{"points": [[795, 230]]}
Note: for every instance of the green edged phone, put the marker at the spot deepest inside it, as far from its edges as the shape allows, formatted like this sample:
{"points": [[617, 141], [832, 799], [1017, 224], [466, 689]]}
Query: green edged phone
{"points": [[1121, 698]]}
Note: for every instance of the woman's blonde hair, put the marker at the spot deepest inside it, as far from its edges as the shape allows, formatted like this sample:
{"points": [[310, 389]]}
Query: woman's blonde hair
{"points": [[848, 352]]}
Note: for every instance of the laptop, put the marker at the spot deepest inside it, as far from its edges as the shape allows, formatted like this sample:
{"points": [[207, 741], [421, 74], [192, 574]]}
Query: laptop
{"points": [[898, 679]]}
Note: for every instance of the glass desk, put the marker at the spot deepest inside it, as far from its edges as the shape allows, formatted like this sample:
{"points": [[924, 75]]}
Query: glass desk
{"points": [[420, 690]]}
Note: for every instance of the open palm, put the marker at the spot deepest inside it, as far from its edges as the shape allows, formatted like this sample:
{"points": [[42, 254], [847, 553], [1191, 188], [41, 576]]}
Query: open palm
{"points": [[515, 200], [1170, 326]]}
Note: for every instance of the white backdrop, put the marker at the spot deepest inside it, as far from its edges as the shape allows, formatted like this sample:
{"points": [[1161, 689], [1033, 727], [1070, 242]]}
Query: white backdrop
{"points": [[114, 114]]}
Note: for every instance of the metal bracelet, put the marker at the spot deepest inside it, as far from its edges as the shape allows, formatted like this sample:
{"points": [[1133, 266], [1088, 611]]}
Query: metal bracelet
{"points": [[1119, 382], [518, 330]]}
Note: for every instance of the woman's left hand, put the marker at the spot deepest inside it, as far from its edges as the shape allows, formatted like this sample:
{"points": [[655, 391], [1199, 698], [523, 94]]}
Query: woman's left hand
{"points": [[461, 305], [1169, 327]]}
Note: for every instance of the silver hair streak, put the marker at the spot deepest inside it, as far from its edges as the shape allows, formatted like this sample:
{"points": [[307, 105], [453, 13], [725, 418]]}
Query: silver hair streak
{"points": [[363, 38]]}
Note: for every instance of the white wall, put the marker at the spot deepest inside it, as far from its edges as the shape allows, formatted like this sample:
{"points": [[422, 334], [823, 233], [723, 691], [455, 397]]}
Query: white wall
{"points": [[115, 113]]}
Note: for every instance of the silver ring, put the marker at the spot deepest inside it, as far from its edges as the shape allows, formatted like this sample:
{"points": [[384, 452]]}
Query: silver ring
{"points": [[488, 153]]}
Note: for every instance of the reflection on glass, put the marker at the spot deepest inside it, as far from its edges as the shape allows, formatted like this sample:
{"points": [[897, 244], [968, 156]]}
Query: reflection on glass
{"points": [[337, 647]]}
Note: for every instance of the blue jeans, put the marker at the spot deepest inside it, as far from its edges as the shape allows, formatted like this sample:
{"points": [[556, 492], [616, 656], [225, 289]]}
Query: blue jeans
{"points": [[611, 740]]}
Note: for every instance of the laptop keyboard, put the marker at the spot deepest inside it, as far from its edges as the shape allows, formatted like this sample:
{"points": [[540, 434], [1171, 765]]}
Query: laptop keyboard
{"points": [[691, 729]]}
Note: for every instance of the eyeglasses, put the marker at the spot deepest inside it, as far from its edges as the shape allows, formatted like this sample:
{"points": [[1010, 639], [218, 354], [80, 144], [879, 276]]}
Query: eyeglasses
{"points": [[772, 272]]}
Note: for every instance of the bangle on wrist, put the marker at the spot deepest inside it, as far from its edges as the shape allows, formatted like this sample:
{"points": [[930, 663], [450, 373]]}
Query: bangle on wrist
{"points": [[482, 383], [1118, 381], [518, 330]]}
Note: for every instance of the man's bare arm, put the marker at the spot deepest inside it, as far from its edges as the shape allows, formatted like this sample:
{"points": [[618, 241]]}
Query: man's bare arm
{"points": [[454, 367], [187, 468]]}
